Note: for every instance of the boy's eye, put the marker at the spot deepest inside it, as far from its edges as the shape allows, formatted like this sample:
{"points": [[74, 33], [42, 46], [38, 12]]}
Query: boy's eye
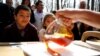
{"points": [[27, 16], [21, 15]]}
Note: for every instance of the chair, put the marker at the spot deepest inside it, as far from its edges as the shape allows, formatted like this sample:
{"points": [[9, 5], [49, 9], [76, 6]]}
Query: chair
{"points": [[87, 34]]}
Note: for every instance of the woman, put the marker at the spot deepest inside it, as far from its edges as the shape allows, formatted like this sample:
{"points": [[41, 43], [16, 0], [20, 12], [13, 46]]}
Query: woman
{"points": [[28, 3]]}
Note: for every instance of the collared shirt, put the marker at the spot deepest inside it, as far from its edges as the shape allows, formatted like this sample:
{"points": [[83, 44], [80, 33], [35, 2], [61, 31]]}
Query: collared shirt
{"points": [[38, 18]]}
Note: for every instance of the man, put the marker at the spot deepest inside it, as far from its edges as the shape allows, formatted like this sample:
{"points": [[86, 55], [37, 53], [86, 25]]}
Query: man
{"points": [[39, 14], [9, 3], [21, 29], [86, 16], [84, 27], [4, 16]]}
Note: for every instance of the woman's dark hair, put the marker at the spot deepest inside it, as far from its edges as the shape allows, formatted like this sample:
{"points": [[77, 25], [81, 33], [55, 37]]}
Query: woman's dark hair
{"points": [[29, 5], [54, 12], [37, 3], [21, 7], [32, 14], [82, 5]]}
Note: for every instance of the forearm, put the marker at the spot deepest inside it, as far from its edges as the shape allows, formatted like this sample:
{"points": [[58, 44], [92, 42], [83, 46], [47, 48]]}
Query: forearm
{"points": [[83, 15], [70, 13], [91, 18]]}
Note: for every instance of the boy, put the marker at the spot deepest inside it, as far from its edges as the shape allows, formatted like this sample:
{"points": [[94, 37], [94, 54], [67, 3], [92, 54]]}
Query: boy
{"points": [[21, 29]]}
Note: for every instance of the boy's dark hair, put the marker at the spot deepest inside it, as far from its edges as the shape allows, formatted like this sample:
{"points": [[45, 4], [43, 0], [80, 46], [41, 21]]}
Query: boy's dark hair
{"points": [[37, 3], [21, 7]]}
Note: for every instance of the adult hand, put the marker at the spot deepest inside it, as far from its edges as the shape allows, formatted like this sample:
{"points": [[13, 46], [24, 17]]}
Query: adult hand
{"points": [[66, 21], [68, 13]]}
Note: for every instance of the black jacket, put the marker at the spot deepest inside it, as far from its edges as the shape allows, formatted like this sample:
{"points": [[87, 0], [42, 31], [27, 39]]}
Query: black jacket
{"points": [[13, 34]]}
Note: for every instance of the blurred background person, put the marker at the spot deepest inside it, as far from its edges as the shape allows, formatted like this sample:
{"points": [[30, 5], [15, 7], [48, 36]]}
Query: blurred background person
{"points": [[39, 14], [28, 3], [33, 7], [84, 27], [6, 14], [9, 3], [11, 10], [77, 30], [16, 3]]}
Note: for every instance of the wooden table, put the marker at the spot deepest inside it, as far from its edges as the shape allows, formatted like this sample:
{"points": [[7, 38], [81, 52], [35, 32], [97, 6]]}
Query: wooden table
{"points": [[10, 51]]}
